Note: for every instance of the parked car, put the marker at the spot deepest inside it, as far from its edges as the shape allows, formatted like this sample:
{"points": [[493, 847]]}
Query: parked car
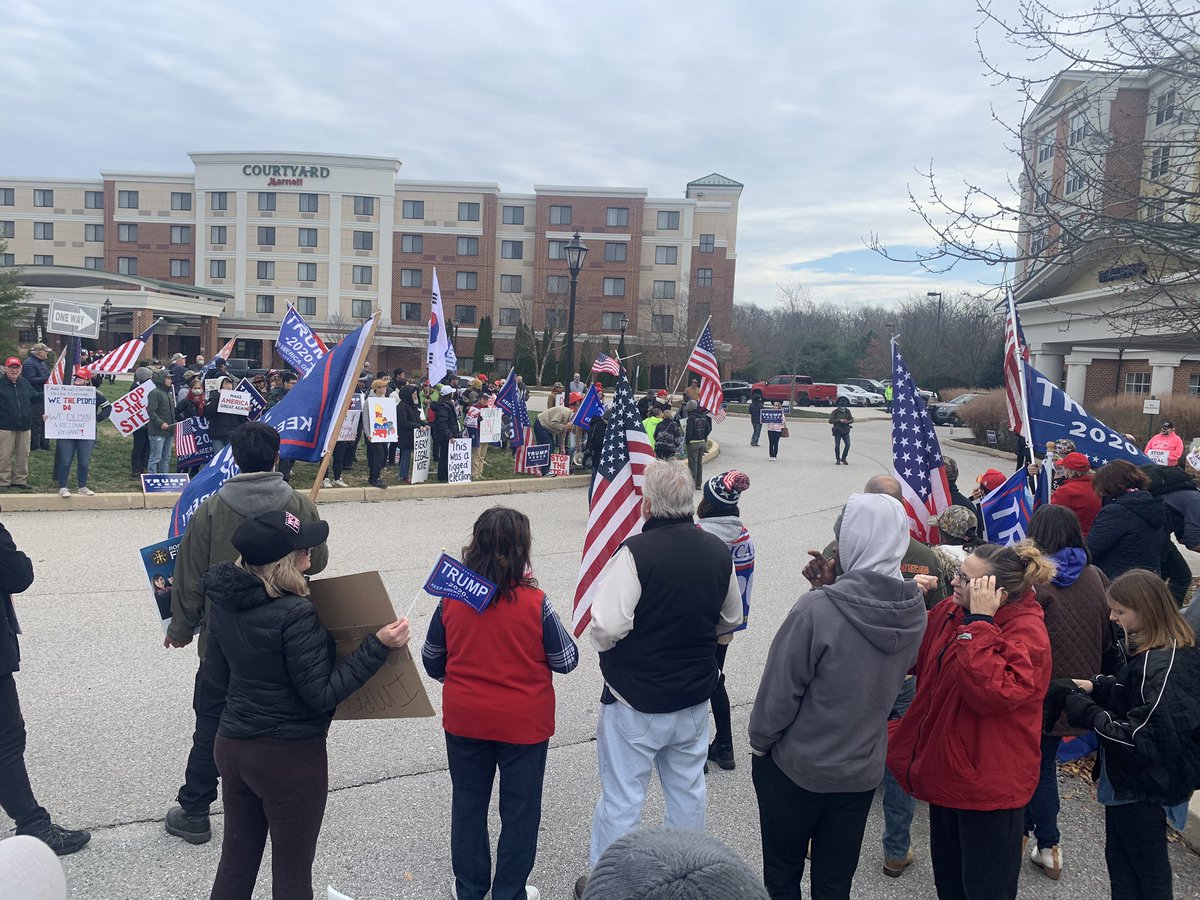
{"points": [[805, 391], [856, 396], [947, 413], [870, 385], [736, 391]]}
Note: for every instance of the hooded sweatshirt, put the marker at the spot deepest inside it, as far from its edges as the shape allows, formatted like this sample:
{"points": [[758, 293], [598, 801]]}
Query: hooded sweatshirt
{"points": [[840, 658], [737, 538]]}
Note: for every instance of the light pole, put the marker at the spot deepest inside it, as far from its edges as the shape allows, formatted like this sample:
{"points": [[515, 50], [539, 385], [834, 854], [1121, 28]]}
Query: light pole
{"points": [[107, 305], [575, 251], [938, 337], [621, 343]]}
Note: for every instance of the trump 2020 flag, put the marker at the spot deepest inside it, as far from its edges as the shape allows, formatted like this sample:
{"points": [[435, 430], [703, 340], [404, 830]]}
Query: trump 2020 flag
{"points": [[589, 408], [1053, 415], [454, 581], [1007, 509], [304, 419], [441, 352], [297, 343]]}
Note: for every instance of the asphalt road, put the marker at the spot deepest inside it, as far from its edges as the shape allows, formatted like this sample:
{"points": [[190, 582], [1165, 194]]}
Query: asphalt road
{"points": [[109, 717]]}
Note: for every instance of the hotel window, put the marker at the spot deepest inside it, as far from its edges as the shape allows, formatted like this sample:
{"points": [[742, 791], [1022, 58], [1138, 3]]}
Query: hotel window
{"points": [[1160, 161], [1075, 181], [181, 268], [43, 231], [9, 229], [1155, 209], [614, 287], [306, 271], [410, 312], [181, 234], [6, 259], [266, 270], [125, 199], [264, 303], [266, 203], [127, 265], [512, 249], [45, 260], [411, 278], [364, 206], [662, 324], [360, 274], [618, 216], [306, 306], [664, 290], [560, 215], [1137, 382], [554, 249], [307, 237], [310, 203], [1037, 241], [514, 215], [615, 251], [93, 199], [708, 243], [216, 268], [364, 240], [668, 220], [93, 233], [266, 235], [510, 284], [7, 197], [93, 262], [127, 233], [412, 243], [1045, 146], [217, 233], [557, 284], [1194, 385], [42, 198], [181, 200], [1045, 189], [666, 256], [412, 209], [468, 246], [556, 319], [466, 281], [611, 321], [704, 278], [468, 212], [1077, 129], [360, 308], [1164, 107], [510, 316], [464, 315], [218, 200]]}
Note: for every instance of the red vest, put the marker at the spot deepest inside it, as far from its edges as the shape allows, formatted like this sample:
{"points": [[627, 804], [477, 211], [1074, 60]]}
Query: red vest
{"points": [[498, 683]]}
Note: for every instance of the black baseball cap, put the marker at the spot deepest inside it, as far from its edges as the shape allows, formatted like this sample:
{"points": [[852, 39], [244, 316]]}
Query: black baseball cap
{"points": [[273, 535]]}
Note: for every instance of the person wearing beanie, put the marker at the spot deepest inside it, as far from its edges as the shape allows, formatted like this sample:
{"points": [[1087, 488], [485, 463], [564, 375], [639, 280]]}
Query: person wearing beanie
{"points": [[672, 864], [696, 430], [818, 729], [139, 453], [1166, 447], [79, 449], [718, 514]]}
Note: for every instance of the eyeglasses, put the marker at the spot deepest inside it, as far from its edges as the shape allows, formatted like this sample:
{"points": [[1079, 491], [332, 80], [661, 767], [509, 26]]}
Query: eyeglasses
{"points": [[961, 577]]}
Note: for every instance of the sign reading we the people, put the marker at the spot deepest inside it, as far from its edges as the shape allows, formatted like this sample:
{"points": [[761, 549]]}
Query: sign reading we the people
{"points": [[70, 411]]}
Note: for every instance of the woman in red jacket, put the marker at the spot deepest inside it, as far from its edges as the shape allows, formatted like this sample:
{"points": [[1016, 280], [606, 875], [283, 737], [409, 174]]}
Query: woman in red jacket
{"points": [[1076, 492], [970, 743]]}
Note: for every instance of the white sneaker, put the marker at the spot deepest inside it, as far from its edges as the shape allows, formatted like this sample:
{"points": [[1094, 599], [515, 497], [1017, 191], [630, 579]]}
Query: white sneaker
{"points": [[86, 492], [532, 893], [326, 483], [337, 482], [63, 492], [1048, 859]]}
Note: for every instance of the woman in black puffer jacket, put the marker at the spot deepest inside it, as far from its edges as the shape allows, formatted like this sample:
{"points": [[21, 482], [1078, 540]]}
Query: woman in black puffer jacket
{"points": [[444, 412], [1128, 531], [269, 652], [221, 425]]}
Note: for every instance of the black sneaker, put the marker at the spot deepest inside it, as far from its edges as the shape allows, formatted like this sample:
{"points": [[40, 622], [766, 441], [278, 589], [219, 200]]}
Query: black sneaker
{"points": [[63, 841], [194, 829], [23, 487], [580, 886], [722, 756]]}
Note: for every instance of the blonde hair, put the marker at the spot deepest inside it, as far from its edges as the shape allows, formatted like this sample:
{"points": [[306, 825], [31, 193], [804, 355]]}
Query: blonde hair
{"points": [[1016, 568], [1160, 625], [280, 577]]}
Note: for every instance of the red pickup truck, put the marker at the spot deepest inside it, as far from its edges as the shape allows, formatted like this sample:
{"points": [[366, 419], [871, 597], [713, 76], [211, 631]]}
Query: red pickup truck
{"points": [[798, 389]]}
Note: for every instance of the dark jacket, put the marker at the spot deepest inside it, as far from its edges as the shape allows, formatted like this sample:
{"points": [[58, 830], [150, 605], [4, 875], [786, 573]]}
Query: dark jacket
{"points": [[16, 575], [17, 399], [445, 420], [670, 434], [276, 661], [220, 425], [1128, 534], [699, 426], [1180, 501], [756, 406], [188, 409], [408, 416], [160, 406], [842, 420], [36, 371]]}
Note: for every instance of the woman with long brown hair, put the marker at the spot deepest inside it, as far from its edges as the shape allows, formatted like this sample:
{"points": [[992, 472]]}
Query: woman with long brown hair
{"points": [[1129, 529]]}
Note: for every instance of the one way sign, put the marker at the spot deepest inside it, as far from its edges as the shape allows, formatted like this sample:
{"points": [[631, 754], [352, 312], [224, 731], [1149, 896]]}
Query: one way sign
{"points": [[74, 319]]}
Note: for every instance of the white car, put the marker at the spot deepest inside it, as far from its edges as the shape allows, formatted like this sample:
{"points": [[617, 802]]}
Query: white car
{"points": [[857, 396]]}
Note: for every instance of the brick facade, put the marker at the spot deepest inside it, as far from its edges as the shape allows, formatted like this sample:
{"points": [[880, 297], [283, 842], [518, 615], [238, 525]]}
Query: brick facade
{"points": [[1106, 377]]}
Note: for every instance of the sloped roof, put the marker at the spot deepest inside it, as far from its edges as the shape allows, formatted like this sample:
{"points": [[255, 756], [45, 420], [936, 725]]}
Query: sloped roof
{"points": [[66, 277], [715, 180]]}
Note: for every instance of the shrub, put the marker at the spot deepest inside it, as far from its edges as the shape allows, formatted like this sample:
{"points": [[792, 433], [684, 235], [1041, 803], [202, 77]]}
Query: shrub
{"points": [[988, 412], [1124, 413], [948, 394]]}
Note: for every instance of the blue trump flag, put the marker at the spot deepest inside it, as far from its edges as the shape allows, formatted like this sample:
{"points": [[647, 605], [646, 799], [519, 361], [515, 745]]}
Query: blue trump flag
{"points": [[1053, 415], [454, 581], [304, 419], [298, 344], [589, 408], [1007, 509]]}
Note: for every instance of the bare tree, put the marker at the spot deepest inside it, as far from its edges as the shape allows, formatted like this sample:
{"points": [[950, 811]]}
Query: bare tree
{"points": [[671, 335], [539, 309]]}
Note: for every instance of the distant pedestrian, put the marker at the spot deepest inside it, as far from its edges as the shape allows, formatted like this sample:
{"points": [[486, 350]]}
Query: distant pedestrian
{"points": [[17, 412], [79, 449], [774, 433], [756, 405], [841, 420]]}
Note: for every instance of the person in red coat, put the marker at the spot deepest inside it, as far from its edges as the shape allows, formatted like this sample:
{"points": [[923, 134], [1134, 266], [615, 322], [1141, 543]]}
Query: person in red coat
{"points": [[1077, 493], [970, 743]]}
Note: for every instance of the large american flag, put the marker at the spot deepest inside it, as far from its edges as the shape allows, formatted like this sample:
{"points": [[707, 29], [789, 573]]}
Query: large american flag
{"points": [[606, 365], [71, 349], [121, 359], [1014, 345], [916, 454], [703, 362], [615, 507]]}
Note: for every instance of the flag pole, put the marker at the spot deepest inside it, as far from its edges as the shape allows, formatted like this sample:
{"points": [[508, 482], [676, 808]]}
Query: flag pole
{"points": [[343, 408], [683, 374], [1012, 312]]}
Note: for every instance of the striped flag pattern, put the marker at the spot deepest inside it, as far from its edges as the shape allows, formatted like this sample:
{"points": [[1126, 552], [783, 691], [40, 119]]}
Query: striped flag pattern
{"points": [[703, 362], [59, 369], [606, 365], [916, 454], [1014, 344], [122, 358], [185, 437]]}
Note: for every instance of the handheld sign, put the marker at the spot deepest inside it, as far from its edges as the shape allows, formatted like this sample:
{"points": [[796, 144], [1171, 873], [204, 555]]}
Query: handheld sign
{"points": [[129, 412], [560, 464], [454, 581], [420, 462], [71, 410], [1159, 457], [236, 403], [380, 420], [1006, 510], [214, 384], [258, 403], [537, 456], [771, 416], [159, 563], [458, 461], [193, 446], [164, 483], [353, 416], [490, 425]]}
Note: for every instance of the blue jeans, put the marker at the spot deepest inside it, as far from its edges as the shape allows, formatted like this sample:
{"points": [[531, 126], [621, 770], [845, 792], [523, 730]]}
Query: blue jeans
{"points": [[631, 744], [755, 432], [841, 446], [160, 454], [64, 450], [1041, 815], [897, 805], [405, 461]]}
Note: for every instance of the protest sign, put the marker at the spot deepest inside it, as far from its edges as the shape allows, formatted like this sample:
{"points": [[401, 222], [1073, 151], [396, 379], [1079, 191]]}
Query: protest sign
{"points": [[560, 399], [452, 580], [159, 563], [71, 409], [351, 607], [1159, 457], [771, 416], [379, 423], [214, 384], [420, 461], [1193, 459], [536, 456], [458, 461], [193, 446], [258, 403], [491, 423], [560, 464], [236, 403], [129, 411], [164, 483], [353, 416]]}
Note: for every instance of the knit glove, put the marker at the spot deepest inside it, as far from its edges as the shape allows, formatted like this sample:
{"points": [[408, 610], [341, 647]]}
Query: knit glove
{"points": [[1056, 698], [1081, 710]]}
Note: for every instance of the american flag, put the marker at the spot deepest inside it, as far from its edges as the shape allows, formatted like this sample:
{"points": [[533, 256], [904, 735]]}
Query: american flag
{"points": [[606, 365], [122, 358], [185, 438], [1014, 344], [916, 454], [225, 353], [703, 362], [72, 349], [509, 399], [615, 506]]}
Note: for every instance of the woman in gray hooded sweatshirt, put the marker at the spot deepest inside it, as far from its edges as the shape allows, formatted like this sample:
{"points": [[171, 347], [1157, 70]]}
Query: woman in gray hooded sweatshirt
{"points": [[819, 725]]}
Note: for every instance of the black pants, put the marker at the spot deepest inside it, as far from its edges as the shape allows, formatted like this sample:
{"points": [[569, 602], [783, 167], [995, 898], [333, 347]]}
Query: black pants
{"points": [[37, 430], [343, 451], [1135, 850], [16, 794], [773, 443], [199, 789], [376, 456], [441, 447], [789, 817], [277, 787], [976, 854], [1175, 570], [841, 446], [139, 455], [473, 765], [722, 730]]}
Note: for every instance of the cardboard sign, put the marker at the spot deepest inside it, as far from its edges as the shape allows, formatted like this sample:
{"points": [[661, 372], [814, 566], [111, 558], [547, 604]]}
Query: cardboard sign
{"points": [[166, 483], [159, 563], [560, 399], [214, 384], [236, 403], [1158, 457], [350, 608], [72, 411], [458, 461], [771, 416], [491, 424], [379, 423], [537, 455], [420, 460], [129, 412], [560, 464], [991, 436], [353, 416]]}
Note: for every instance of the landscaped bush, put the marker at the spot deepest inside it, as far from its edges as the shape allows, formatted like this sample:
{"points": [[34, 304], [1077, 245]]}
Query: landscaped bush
{"points": [[948, 394], [1124, 414], [988, 412]]}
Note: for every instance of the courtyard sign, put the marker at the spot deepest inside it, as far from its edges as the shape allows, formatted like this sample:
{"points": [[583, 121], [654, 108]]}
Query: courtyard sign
{"points": [[287, 171]]}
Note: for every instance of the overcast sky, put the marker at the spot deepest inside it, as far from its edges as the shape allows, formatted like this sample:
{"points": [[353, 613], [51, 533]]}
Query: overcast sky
{"points": [[824, 113]]}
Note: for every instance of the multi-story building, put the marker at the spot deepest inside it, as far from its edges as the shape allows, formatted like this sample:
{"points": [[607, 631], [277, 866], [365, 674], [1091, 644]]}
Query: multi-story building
{"points": [[341, 238]]}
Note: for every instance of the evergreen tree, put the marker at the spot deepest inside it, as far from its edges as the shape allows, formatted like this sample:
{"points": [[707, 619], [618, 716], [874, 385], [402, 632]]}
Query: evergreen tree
{"points": [[483, 346], [14, 298]]}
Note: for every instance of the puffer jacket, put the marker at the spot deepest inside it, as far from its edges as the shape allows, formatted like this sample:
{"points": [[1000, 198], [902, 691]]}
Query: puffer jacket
{"points": [[276, 661], [1128, 534], [445, 420]]}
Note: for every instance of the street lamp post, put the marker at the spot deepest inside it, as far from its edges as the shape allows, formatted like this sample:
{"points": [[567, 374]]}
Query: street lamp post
{"points": [[621, 343], [938, 338], [575, 251], [107, 305]]}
